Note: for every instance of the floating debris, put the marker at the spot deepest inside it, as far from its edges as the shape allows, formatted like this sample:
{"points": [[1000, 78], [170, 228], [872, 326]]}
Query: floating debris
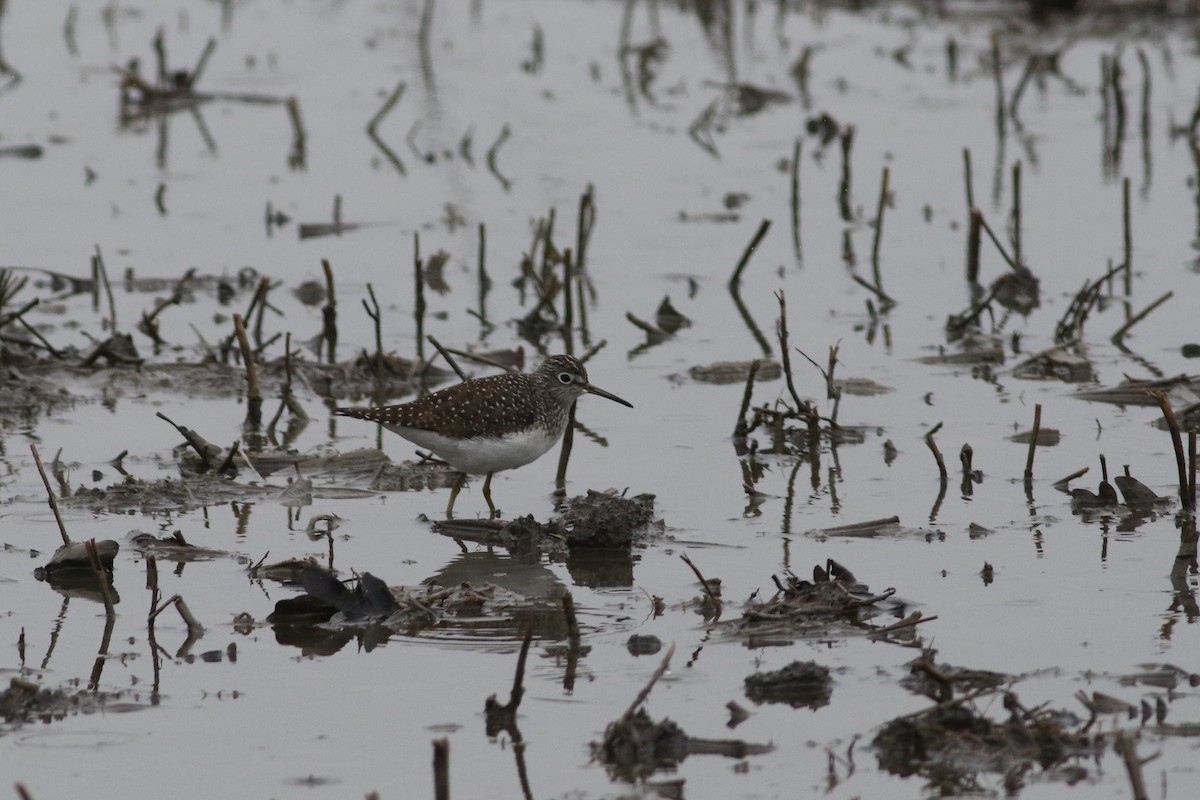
{"points": [[641, 644], [833, 598], [1046, 437], [172, 548], [1057, 363], [1183, 392], [25, 701], [722, 372], [801, 684], [887, 526], [634, 746]]}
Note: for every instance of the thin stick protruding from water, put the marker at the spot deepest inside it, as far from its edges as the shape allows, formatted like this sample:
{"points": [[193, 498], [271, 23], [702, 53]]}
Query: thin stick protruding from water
{"points": [[937, 454], [53, 503], [796, 150], [1033, 442], [847, 143], [419, 306], [1127, 237], [100, 275], [1185, 484], [645, 692], [1119, 335], [742, 428], [974, 239], [462, 376], [1016, 212], [883, 194], [568, 604], [253, 393], [329, 333], [968, 180], [1192, 466], [441, 769], [735, 280], [485, 283], [568, 317], [712, 598], [564, 455]]}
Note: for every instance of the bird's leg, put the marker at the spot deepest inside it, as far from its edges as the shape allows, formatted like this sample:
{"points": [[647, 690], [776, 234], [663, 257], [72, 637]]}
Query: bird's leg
{"points": [[487, 495], [458, 484]]}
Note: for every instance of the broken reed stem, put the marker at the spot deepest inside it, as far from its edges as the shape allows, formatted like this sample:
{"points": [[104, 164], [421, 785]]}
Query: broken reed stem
{"points": [[478, 359], [1126, 748], [1192, 466], [968, 180], [185, 613], [1033, 441], [419, 307], [1138, 317], [974, 238], [991, 235], [1016, 211], [911, 621], [62, 529], [645, 692], [736, 279], [376, 316], [937, 454], [796, 149], [484, 282], [801, 406], [998, 77], [583, 227], [883, 192], [1127, 234], [568, 604], [441, 769], [100, 272], [591, 351], [1185, 494], [253, 394], [568, 319], [285, 393], [329, 314], [704, 584], [462, 376], [518, 689], [742, 427], [847, 143], [564, 455], [101, 578], [388, 105]]}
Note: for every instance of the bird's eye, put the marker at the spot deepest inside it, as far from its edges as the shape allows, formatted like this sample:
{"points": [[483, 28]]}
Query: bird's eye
{"points": [[564, 377]]}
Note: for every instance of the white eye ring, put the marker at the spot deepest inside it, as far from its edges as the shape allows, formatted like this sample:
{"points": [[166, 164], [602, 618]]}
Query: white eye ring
{"points": [[564, 377]]}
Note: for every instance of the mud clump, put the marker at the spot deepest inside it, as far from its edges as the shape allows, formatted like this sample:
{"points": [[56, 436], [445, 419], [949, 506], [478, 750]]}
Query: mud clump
{"points": [[951, 744], [605, 519], [24, 701], [637, 746], [800, 684]]}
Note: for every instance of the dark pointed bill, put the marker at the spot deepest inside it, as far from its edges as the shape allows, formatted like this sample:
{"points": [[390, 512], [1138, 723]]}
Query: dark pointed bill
{"points": [[598, 391]]}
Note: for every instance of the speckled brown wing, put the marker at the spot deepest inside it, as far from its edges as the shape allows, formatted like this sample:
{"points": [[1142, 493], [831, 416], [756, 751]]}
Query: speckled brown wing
{"points": [[491, 406]]}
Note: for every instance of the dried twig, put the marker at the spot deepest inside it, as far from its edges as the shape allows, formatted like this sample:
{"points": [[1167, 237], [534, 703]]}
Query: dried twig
{"points": [[53, 503], [1033, 441]]}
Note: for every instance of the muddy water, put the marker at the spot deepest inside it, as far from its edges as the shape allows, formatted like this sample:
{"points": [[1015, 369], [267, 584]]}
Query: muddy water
{"points": [[1075, 603]]}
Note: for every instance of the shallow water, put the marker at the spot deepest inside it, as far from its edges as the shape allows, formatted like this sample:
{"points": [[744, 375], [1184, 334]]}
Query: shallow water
{"points": [[1075, 603]]}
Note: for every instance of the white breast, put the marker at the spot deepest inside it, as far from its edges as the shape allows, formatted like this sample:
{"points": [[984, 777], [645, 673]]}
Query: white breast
{"points": [[483, 455]]}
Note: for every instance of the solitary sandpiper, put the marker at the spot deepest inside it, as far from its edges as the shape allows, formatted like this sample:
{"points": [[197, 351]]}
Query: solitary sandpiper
{"points": [[486, 425]]}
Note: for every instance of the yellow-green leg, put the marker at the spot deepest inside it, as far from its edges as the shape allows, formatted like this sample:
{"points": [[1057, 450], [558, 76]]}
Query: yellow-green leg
{"points": [[458, 484], [487, 495]]}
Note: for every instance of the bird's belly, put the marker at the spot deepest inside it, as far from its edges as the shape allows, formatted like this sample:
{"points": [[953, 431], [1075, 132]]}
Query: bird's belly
{"points": [[481, 455]]}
